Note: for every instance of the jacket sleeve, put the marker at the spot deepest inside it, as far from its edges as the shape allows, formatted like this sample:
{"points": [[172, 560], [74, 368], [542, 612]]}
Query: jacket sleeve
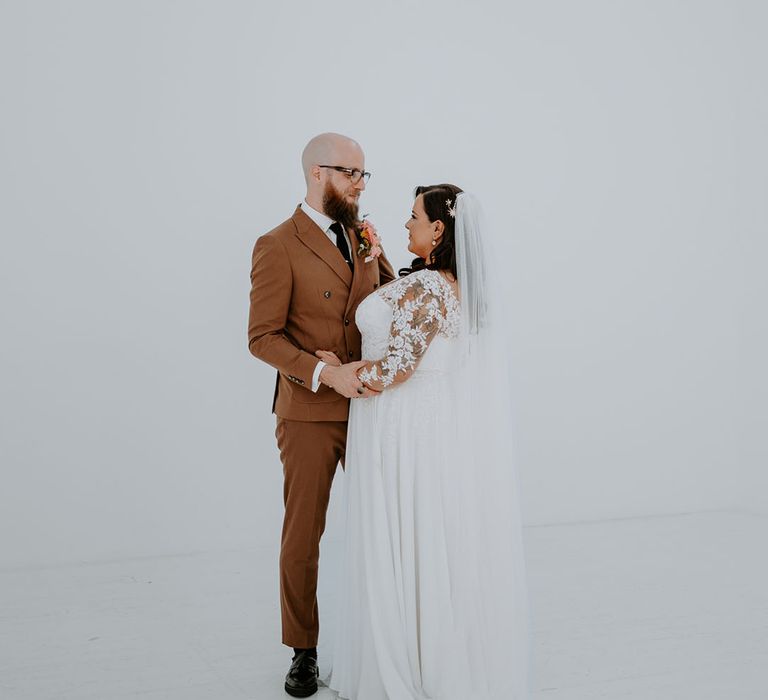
{"points": [[386, 271], [271, 287], [417, 318]]}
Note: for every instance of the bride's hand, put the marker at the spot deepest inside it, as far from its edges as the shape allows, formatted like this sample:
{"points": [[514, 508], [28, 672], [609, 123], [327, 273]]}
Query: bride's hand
{"points": [[329, 358]]}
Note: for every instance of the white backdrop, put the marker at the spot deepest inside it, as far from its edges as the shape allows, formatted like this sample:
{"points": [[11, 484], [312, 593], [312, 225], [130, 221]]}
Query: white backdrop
{"points": [[620, 147]]}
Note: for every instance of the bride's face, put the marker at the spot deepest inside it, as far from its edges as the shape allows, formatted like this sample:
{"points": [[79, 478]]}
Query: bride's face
{"points": [[422, 231]]}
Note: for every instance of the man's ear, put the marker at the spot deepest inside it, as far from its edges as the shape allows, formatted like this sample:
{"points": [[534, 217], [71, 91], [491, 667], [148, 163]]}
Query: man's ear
{"points": [[315, 172]]}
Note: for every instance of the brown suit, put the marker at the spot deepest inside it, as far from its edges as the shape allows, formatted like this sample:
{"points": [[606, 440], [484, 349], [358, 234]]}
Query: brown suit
{"points": [[303, 299]]}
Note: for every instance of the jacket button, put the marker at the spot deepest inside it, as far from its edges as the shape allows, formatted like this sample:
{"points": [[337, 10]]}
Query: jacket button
{"points": [[351, 353], [346, 321], [327, 295]]}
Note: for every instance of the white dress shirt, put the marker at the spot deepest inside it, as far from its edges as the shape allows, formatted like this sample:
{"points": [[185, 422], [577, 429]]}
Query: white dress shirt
{"points": [[325, 225]]}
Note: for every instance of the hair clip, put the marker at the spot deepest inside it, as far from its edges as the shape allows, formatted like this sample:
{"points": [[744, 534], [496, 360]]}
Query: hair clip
{"points": [[451, 209]]}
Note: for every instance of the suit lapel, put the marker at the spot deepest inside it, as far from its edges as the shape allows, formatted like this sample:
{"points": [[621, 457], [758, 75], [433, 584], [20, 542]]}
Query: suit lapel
{"points": [[310, 235], [359, 264]]}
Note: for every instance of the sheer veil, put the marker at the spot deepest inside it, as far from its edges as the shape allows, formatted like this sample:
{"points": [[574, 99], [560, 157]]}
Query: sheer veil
{"points": [[490, 582]]}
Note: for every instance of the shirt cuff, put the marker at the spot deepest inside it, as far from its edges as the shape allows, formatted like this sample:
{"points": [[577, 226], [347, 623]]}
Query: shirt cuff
{"points": [[316, 375]]}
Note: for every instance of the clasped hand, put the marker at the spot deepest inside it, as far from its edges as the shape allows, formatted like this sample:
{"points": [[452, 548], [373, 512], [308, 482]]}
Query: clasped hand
{"points": [[342, 378]]}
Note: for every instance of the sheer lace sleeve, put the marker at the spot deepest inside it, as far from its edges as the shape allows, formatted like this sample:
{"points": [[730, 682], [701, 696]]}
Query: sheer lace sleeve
{"points": [[419, 314]]}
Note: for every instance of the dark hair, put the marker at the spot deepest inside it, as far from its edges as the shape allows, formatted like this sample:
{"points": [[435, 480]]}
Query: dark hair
{"points": [[435, 199]]}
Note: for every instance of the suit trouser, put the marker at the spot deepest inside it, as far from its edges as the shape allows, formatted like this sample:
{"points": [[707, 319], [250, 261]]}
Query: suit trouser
{"points": [[309, 452]]}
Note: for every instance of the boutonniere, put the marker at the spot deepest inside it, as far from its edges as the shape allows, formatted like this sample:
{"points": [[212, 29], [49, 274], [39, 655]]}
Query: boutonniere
{"points": [[370, 243]]}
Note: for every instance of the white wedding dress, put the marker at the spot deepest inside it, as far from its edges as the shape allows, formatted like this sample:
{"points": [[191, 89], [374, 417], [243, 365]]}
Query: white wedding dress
{"points": [[425, 612]]}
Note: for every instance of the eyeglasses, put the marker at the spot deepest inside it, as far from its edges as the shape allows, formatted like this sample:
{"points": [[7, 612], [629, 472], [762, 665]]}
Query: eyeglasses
{"points": [[353, 173]]}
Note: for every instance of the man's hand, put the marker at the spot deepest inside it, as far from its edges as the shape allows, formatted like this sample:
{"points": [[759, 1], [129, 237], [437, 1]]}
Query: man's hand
{"points": [[329, 358], [343, 379]]}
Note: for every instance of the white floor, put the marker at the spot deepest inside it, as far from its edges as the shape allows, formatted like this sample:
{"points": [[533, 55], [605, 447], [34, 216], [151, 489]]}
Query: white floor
{"points": [[665, 608]]}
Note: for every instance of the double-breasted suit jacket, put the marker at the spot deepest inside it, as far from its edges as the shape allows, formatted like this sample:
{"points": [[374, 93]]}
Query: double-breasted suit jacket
{"points": [[303, 299]]}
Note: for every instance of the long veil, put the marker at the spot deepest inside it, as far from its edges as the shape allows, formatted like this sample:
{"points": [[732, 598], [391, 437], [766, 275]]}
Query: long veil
{"points": [[491, 596], [488, 623]]}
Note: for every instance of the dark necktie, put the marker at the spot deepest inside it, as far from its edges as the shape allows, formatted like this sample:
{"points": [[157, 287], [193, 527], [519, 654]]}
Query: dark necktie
{"points": [[341, 244]]}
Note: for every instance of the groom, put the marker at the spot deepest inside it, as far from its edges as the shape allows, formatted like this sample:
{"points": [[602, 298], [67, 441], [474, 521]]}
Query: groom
{"points": [[307, 280]]}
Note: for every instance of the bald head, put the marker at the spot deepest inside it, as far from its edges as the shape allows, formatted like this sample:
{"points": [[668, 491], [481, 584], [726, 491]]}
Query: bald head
{"points": [[330, 149]]}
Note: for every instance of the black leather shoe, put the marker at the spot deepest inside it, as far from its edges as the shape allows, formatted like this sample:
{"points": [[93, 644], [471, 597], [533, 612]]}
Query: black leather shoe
{"points": [[301, 681]]}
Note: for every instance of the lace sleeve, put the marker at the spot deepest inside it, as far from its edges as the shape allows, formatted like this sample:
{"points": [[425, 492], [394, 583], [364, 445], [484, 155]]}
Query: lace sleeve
{"points": [[417, 318]]}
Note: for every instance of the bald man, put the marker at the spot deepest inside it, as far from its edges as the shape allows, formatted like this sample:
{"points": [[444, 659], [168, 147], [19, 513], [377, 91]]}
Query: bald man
{"points": [[307, 279]]}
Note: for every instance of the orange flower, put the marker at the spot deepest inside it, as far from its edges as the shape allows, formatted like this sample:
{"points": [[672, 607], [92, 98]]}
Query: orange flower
{"points": [[370, 243]]}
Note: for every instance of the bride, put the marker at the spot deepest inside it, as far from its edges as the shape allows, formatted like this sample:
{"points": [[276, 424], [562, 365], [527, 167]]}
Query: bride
{"points": [[434, 602]]}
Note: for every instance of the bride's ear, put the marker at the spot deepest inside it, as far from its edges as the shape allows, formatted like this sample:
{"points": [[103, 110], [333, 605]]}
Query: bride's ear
{"points": [[437, 232]]}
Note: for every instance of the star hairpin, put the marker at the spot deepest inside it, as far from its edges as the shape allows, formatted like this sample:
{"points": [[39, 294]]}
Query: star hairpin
{"points": [[451, 209]]}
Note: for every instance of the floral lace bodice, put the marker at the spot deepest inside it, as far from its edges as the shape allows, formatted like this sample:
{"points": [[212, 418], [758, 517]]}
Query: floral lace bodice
{"points": [[400, 321]]}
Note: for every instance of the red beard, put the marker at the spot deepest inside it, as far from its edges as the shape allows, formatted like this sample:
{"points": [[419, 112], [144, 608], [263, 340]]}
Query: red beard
{"points": [[339, 209]]}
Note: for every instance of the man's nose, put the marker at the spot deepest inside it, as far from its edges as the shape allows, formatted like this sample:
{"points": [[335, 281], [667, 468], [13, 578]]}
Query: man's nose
{"points": [[360, 184]]}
